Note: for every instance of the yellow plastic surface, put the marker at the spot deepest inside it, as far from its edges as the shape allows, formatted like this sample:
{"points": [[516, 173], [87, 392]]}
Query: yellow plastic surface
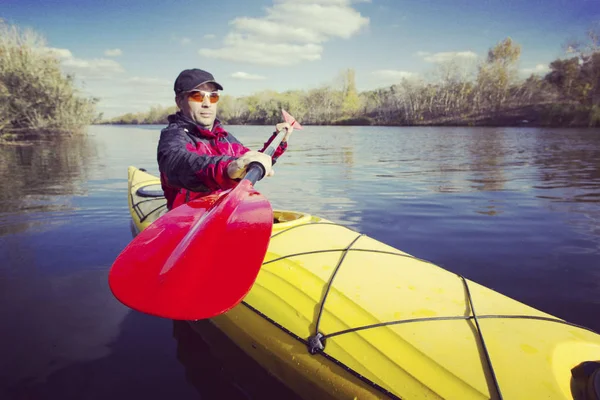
{"points": [[374, 284]]}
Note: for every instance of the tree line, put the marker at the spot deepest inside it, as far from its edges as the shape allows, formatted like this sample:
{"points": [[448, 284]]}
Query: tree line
{"points": [[37, 98], [455, 93]]}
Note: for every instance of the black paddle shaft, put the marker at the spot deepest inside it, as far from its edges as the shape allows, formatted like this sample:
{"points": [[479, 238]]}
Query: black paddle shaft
{"points": [[256, 171]]}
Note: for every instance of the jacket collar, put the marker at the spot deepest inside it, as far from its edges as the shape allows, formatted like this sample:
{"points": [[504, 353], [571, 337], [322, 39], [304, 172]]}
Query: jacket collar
{"points": [[185, 122]]}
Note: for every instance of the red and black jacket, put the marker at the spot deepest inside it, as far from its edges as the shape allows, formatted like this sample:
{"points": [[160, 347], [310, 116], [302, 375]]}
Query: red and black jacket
{"points": [[193, 161]]}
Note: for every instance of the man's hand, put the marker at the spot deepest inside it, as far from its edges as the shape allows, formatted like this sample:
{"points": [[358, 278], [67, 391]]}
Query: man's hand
{"points": [[286, 126], [237, 169]]}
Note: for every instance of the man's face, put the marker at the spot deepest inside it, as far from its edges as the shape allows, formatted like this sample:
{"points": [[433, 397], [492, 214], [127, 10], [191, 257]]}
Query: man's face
{"points": [[202, 112]]}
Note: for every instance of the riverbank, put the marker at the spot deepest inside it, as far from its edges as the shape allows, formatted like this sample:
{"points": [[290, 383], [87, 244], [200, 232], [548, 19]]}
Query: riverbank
{"points": [[541, 115], [550, 115], [28, 137]]}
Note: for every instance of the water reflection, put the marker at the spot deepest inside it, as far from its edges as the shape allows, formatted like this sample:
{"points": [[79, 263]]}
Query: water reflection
{"points": [[52, 323], [41, 177], [330, 154], [218, 369], [557, 165], [488, 153], [569, 179], [138, 362], [569, 167]]}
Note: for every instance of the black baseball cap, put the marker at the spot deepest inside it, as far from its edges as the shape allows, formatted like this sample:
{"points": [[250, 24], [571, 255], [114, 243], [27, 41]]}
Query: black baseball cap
{"points": [[190, 78]]}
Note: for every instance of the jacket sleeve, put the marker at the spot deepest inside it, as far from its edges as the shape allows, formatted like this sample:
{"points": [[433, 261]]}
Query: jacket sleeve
{"points": [[278, 151], [183, 168]]}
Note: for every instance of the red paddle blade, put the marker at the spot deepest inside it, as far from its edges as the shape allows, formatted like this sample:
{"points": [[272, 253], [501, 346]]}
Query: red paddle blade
{"points": [[198, 260], [290, 120]]}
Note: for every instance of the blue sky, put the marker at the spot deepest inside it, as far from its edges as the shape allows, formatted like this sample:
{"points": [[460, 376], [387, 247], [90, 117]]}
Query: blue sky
{"points": [[128, 53]]}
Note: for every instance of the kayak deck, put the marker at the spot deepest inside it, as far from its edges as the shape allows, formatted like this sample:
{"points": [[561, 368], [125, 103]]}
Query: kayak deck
{"points": [[334, 313]]}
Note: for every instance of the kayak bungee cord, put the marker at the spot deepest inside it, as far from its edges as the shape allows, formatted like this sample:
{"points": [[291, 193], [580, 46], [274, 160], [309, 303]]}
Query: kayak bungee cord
{"points": [[485, 350], [327, 356], [457, 318], [149, 198], [397, 322], [141, 216], [316, 343]]}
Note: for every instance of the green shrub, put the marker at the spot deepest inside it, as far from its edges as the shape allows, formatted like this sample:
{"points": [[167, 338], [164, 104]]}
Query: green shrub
{"points": [[355, 121], [35, 96], [594, 119]]}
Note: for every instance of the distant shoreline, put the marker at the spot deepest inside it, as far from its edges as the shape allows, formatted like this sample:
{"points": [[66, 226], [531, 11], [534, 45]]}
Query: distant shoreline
{"points": [[536, 116]]}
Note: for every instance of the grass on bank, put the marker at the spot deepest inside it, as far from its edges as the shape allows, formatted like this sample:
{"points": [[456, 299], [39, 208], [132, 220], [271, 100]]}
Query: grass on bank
{"points": [[36, 98]]}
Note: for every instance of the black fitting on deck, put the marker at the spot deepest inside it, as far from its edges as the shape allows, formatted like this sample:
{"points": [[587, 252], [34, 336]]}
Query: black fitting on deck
{"points": [[316, 343], [585, 381]]}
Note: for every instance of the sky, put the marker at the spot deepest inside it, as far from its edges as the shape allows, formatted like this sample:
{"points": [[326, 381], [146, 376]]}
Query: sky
{"points": [[128, 53]]}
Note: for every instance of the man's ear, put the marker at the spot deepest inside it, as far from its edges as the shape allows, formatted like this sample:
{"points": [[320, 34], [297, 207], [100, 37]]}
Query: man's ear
{"points": [[177, 100]]}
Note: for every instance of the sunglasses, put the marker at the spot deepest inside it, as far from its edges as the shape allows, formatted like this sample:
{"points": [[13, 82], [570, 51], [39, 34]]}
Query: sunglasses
{"points": [[199, 95]]}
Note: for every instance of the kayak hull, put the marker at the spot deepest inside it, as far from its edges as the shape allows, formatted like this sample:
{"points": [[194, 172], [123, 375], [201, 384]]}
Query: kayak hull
{"points": [[286, 358], [336, 314]]}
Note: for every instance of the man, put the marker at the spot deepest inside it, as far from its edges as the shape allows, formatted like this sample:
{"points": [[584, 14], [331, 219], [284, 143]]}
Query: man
{"points": [[196, 155]]}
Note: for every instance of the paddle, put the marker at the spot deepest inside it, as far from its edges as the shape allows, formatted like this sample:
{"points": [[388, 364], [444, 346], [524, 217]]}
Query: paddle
{"points": [[200, 259]]}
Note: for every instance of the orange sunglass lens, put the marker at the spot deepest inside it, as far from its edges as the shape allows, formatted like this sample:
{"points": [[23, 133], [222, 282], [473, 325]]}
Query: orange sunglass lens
{"points": [[199, 97]]}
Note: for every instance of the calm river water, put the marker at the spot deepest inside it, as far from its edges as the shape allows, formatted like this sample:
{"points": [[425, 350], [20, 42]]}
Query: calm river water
{"points": [[517, 210]]}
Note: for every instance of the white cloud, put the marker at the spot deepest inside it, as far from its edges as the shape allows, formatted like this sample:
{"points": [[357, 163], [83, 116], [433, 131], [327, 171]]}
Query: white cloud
{"points": [[272, 31], [292, 31], [141, 90], [95, 68], [60, 53], [247, 76], [107, 80], [113, 52], [237, 48], [446, 56], [98, 68], [181, 40], [148, 81], [394, 74], [325, 2], [539, 69], [131, 94], [209, 36], [388, 77]]}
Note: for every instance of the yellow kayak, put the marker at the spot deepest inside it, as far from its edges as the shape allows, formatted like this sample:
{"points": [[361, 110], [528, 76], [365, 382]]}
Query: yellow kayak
{"points": [[336, 314]]}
